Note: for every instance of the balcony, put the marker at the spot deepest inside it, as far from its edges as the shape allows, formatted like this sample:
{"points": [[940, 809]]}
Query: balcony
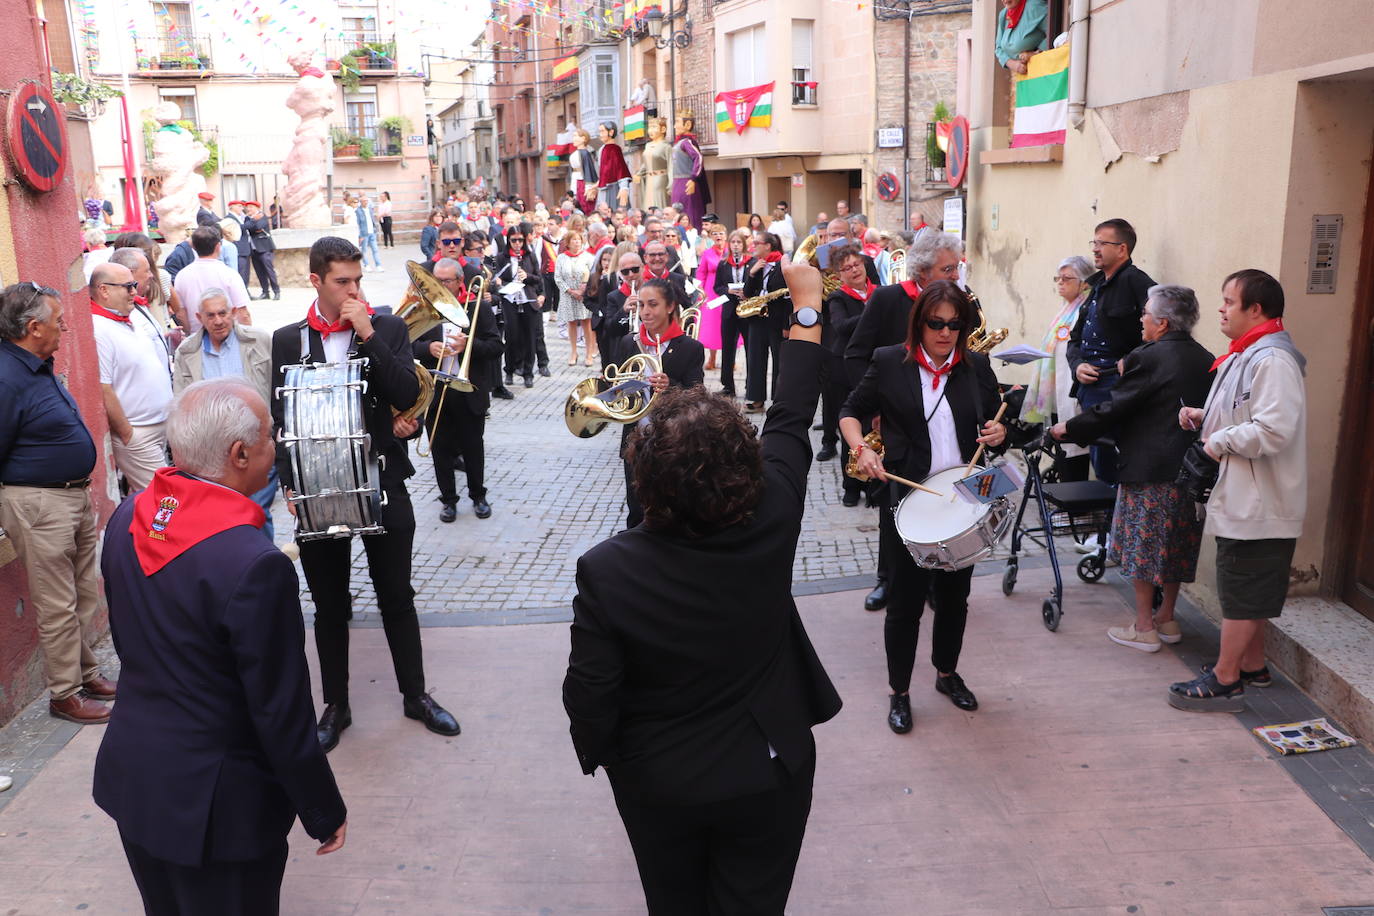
{"points": [[804, 92], [360, 56], [167, 54], [366, 141], [556, 89], [702, 107]]}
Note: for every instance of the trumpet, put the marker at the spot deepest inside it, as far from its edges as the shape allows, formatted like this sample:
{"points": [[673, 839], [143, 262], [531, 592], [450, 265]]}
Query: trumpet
{"points": [[618, 395]]}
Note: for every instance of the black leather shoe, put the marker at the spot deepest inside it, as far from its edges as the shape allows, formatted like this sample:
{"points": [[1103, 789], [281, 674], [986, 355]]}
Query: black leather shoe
{"points": [[481, 508], [276, 294], [826, 453], [436, 718], [849, 500], [262, 296], [504, 394], [544, 371], [877, 599], [510, 378], [332, 723], [449, 512], [953, 687], [529, 381], [899, 713]]}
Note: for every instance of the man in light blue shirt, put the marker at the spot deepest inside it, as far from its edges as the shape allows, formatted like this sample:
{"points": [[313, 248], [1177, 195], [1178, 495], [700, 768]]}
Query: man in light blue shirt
{"points": [[367, 232]]}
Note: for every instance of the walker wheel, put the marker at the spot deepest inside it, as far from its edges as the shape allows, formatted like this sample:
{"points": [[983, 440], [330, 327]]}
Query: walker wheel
{"points": [[1009, 579], [1091, 568], [1050, 613]]}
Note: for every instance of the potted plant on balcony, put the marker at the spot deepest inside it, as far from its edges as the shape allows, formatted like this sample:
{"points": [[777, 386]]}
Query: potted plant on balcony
{"points": [[935, 157], [344, 143], [366, 147], [395, 127]]}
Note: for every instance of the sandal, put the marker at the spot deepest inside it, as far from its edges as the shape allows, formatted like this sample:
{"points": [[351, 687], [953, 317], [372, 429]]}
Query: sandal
{"points": [[1206, 694], [1260, 678], [590, 359], [572, 360]]}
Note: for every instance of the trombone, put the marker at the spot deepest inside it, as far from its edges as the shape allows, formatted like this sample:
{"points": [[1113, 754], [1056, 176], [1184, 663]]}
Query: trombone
{"points": [[462, 381]]}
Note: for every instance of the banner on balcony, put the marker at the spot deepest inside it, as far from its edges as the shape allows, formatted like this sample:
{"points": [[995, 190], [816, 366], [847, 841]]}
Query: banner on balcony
{"points": [[634, 128], [562, 69], [741, 109], [1042, 100], [557, 154], [635, 9]]}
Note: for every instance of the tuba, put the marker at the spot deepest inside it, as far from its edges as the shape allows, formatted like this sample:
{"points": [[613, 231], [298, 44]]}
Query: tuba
{"points": [[426, 304], [618, 395]]}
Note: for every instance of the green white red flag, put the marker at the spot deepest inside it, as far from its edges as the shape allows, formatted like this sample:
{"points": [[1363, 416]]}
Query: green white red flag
{"points": [[741, 109]]}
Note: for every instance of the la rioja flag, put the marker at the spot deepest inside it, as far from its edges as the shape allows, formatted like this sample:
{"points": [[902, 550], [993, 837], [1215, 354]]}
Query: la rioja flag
{"points": [[740, 109]]}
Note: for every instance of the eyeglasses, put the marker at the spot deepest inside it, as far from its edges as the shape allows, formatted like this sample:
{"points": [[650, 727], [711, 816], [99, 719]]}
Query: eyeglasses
{"points": [[516, 240], [450, 241], [1096, 244], [937, 324], [475, 249], [1067, 280], [130, 286]]}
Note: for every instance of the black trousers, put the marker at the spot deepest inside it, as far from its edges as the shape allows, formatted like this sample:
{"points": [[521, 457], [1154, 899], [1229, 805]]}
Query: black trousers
{"points": [[735, 856], [906, 599], [243, 263], [212, 889], [634, 512], [326, 563], [524, 336], [457, 432], [762, 340], [387, 240], [265, 267], [731, 327]]}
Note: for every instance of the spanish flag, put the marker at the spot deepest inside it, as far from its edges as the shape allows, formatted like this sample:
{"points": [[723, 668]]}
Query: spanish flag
{"points": [[562, 69]]}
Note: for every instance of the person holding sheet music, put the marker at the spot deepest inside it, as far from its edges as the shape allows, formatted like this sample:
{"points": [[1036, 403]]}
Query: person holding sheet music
{"points": [[934, 397], [521, 286]]}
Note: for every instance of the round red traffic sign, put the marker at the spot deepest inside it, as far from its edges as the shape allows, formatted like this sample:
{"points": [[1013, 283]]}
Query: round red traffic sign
{"points": [[36, 133], [888, 186], [956, 157]]}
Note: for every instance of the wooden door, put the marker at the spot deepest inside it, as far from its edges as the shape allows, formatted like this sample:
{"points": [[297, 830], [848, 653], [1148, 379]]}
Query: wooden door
{"points": [[1355, 470]]}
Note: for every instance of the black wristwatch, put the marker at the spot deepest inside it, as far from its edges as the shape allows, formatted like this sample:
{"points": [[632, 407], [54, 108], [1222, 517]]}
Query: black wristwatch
{"points": [[805, 317]]}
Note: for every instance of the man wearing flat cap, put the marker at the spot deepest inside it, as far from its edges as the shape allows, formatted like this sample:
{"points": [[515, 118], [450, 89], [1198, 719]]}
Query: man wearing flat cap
{"points": [[205, 216]]}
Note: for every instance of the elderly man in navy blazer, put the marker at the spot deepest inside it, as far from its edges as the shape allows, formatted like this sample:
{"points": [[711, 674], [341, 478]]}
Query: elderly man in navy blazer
{"points": [[211, 753]]}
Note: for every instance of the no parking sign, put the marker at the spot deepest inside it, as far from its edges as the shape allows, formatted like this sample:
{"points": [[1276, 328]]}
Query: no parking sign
{"points": [[36, 134]]}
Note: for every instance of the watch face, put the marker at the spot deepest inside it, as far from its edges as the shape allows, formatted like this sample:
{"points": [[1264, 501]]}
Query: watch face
{"points": [[806, 316]]}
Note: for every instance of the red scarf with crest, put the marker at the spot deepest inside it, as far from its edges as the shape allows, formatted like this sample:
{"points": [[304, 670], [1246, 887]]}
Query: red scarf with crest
{"points": [[176, 512]]}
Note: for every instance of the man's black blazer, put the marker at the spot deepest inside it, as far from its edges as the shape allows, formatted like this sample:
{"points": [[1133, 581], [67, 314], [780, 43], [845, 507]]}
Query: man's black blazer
{"points": [[211, 751], [260, 230], [615, 321], [891, 388], [884, 322], [484, 371], [1142, 414], [756, 284], [391, 382], [688, 657]]}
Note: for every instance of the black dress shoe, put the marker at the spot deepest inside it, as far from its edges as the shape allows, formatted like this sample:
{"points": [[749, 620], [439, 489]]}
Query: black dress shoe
{"points": [[826, 453], [953, 687], [899, 713], [436, 718], [529, 381], [263, 296], [510, 378], [332, 723], [877, 599], [544, 371], [449, 512], [276, 294], [504, 394], [849, 500], [481, 508]]}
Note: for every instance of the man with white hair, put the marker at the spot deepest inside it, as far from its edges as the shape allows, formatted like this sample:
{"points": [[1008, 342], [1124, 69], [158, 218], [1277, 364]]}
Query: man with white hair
{"points": [[225, 347], [206, 786], [46, 459]]}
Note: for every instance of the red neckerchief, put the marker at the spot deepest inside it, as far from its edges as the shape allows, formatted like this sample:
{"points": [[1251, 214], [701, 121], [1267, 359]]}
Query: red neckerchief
{"points": [[773, 257], [312, 71], [912, 289], [625, 289], [861, 296], [920, 356], [645, 340], [1242, 343], [730, 259], [316, 321], [106, 313], [1014, 14], [871, 250], [177, 512], [650, 275], [141, 300]]}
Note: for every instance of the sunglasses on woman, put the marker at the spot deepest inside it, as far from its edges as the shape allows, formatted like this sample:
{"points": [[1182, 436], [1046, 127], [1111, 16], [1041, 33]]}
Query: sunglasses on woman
{"points": [[937, 324]]}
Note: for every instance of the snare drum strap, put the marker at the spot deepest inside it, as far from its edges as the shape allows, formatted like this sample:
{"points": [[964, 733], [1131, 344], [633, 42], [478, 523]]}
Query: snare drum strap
{"points": [[305, 346]]}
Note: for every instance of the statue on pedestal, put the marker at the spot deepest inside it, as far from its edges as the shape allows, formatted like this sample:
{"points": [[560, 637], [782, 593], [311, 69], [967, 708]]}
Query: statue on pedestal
{"points": [[688, 173], [302, 201], [654, 172], [177, 157]]}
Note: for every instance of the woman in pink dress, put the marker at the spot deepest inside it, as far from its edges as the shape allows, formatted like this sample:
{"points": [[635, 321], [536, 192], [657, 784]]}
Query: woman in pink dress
{"points": [[709, 333]]}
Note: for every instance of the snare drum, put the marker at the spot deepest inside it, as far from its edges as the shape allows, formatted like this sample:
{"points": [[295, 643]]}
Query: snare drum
{"points": [[947, 532], [338, 492]]}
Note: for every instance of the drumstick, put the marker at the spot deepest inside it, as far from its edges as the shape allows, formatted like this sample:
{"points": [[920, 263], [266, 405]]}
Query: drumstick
{"points": [[914, 485], [982, 445]]}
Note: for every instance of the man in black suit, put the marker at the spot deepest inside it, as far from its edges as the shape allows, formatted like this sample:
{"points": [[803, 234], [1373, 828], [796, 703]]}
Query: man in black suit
{"points": [[614, 319], [244, 243], [204, 215], [210, 755], [339, 325], [456, 421], [657, 266], [699, 702], [264, 250], [654, 231], [763, 339]]}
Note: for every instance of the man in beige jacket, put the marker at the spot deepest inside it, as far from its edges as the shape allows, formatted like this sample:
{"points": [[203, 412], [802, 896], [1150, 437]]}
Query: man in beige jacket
{"points": [[223, 346], [1255, 424]]}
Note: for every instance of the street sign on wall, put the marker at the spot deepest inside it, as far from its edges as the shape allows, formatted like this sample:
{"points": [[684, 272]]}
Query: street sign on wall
{"points": [[36, 134], [890, 138]]}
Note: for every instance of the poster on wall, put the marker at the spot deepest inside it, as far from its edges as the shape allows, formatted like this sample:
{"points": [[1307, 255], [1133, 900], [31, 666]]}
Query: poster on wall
{"points": [[954, 216]]}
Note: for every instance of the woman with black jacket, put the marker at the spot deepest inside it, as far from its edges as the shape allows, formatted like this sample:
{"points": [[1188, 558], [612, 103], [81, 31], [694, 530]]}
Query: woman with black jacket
{"points": [[521, 305], [936, 399], [730, 274]]}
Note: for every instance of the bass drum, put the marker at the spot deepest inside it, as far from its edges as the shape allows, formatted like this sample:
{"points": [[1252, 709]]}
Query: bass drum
{"points": [[338, 489], [947, 532]]}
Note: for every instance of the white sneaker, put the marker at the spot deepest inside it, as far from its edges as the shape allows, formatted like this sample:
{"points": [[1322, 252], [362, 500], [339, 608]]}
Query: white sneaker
{"points": [[1169, 632], [1127, 636], [379, 269], [1089, 546], [5, 783]]}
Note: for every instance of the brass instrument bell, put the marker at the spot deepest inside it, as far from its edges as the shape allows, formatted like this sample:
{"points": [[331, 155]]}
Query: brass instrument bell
{"points": [[428, 303]]}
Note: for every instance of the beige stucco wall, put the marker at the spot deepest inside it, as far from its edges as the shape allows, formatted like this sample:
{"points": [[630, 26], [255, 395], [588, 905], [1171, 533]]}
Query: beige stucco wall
{"points": [[1257, 158]]}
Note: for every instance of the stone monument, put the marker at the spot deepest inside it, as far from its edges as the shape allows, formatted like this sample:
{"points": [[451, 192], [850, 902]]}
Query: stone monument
{"points": [[177, 158], [303, 201]]}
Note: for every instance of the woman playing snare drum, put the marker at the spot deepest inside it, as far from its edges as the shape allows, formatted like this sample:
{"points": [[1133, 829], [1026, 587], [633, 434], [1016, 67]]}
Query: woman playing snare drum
{"points": [[935, 399]]}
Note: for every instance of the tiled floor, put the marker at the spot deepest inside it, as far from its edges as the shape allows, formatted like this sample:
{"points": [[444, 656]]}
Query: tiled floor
{"points": [[1074, 789]]}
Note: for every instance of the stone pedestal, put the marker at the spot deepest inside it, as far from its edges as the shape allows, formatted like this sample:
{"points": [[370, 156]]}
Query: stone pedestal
{"points": [[293, 251]]}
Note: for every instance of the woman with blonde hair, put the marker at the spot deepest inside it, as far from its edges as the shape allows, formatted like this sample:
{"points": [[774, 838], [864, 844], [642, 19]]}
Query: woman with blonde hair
{"points": [[570, 274]]}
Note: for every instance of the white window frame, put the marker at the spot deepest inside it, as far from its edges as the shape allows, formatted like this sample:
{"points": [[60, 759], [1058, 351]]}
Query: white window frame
{"points": [[747, 54]]}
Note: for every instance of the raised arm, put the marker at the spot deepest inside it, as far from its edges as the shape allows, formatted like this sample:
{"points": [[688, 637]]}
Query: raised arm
{"points": [[786, 438]]}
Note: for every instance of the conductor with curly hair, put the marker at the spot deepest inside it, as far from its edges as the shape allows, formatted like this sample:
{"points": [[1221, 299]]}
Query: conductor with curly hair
{"points": [[692, 682]]}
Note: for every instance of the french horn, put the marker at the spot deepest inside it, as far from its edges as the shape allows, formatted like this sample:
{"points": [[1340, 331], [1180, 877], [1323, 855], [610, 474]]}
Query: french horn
{"points": [[619, 395]]}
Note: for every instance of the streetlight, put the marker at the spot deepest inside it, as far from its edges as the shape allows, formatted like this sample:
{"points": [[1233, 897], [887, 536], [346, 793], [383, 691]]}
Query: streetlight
{"points": [[682, 38]]}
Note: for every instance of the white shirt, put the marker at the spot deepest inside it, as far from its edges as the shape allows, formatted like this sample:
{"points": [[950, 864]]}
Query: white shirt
{"points": [[208, 273], [136, 368], [944, 444]]}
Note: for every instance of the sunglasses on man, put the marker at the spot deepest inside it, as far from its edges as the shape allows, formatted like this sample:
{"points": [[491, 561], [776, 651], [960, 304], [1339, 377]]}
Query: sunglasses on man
{"points": [[450, 241]]}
